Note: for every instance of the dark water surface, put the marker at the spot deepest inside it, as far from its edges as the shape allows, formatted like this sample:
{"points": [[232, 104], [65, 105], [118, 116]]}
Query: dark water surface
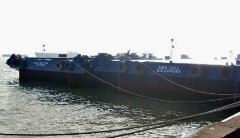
{"points": [[37, 107]]}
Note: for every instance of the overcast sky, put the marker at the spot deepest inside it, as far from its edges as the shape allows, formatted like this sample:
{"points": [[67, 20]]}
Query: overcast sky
{"points": [[201, 28]]}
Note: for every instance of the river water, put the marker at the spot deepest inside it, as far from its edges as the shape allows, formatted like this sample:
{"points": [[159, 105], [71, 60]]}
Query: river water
{"points": [[37, 107]]}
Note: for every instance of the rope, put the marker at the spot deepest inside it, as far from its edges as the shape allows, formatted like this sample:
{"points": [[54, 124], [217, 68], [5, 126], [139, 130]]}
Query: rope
{"points": [[187, 88], [151, 126], [234, 105], [151, 98]]}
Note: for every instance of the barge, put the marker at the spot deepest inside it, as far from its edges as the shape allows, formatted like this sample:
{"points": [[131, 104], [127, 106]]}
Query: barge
{"points": [[148, 78]]}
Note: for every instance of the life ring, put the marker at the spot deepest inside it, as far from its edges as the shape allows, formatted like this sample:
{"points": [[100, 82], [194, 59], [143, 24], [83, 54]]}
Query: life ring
{"points": [[23, 64], [195, 71], [226, 73], [122, 67], [59, 66], [139, 68]]}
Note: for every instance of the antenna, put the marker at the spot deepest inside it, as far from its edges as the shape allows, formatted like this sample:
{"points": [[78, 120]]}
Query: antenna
{"points": [[171, 49], [231, 56], [43, 50]]}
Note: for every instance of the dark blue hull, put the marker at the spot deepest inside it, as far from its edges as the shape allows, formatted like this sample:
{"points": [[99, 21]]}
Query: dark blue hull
{"points": [[69, 79], [151, 86], [154, 86], [168, 81]]}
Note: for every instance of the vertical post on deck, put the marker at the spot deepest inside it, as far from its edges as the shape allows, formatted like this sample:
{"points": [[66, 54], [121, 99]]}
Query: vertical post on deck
{"points": [[171, 50], [43, 50]]}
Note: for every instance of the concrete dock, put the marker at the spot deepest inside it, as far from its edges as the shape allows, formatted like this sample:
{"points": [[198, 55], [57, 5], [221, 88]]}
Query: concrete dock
{"points": [[228, 128]]}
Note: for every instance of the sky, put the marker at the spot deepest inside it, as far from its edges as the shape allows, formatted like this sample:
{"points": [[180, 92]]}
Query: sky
{"points": [[200, 28]]}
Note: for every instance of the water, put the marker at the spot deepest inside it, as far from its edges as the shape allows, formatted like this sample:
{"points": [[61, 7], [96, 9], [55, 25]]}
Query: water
{"points": [[36, 107]]}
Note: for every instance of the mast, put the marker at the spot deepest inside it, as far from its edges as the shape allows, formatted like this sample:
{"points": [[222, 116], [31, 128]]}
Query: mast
{"points": [[43, 50], [171, 49]]}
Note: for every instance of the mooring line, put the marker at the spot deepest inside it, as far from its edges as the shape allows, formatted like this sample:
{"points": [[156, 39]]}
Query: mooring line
{"points": [[166, 123], [151, 126], [187, 88], [151, 98]]}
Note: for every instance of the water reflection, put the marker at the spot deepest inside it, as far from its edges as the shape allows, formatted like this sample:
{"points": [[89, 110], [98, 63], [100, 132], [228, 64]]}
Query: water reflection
{"points": [[111, 100]]}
